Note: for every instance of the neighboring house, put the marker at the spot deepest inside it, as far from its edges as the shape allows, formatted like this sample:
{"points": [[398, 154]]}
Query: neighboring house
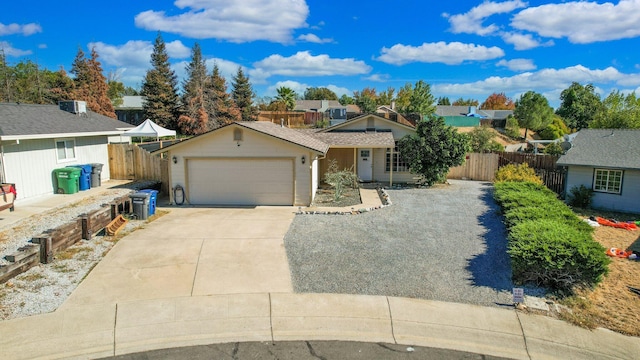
{"points": [[496, 118], [261, 163], [247, 163], [36, 139], [367, 143], [332, 110], [131, 111], [460, 116], [607, 161]]}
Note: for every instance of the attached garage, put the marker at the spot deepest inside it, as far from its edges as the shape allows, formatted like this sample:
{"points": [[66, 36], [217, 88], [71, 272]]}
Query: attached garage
{"points": [[235, 181], [245, 164]]}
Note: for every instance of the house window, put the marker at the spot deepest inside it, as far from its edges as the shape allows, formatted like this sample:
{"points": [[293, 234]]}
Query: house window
{"points": [[609, 181], [237, 134], [399, 165], [66, 150]]}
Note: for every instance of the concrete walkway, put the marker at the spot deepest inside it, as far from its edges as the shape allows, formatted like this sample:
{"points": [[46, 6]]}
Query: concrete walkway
{"points": [[215, 275]]}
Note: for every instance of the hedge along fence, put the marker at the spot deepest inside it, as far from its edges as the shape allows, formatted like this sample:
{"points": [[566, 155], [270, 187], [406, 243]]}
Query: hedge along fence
{"points": [[548, 244], [44, 246]]}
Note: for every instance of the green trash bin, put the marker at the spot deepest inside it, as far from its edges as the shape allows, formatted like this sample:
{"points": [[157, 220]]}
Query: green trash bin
{"points": [[67, 180]]}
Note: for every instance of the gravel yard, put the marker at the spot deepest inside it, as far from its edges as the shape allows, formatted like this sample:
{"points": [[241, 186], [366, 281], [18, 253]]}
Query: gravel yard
{"points": [[443, 243]]}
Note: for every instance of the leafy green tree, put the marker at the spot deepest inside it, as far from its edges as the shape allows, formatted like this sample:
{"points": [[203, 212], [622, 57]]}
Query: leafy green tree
{"points": [[416, 100], [512, 128], [194, 119], [443, 100], [366, 99], [26, 86], [319, 93], [59, 86], [433, 149], [555, 130], [346, 100], [498, 101], [160, 88], [287, 96], [243, 95], [533, 111], [618, 111], [553, 149], [481, 139], [465, 102], [220, 107], [116, 92], [386, 97], [579, 105]]}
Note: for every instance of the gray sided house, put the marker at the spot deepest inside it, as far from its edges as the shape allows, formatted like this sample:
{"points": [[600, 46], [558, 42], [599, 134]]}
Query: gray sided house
{"points": [[607, 161], [36, 139]]}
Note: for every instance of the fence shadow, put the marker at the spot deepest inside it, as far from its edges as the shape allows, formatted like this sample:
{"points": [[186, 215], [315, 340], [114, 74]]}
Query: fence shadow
{"points": [[492, 268]]}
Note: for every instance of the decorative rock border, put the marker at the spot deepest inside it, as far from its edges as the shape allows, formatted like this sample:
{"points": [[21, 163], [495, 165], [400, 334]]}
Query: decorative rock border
{"points": [[384, 198]]}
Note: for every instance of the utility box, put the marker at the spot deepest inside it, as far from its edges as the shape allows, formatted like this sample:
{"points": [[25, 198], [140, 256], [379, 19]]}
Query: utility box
{"points": [[67, 180], [140, 201]]}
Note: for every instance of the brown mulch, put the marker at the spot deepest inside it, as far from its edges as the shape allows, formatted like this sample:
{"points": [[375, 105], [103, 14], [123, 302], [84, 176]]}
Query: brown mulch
{"points": [[325, 198]]}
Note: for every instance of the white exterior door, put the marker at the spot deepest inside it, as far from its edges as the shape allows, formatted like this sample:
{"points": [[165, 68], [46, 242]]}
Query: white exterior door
{"points": [[365, 164], [240, 181]]}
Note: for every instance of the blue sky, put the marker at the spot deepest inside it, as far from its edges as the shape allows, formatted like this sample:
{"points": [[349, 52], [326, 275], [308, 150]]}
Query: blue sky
{"points": [[466, 49]]}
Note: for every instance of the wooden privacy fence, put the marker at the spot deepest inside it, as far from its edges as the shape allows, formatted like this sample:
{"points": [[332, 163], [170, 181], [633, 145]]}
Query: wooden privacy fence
{"points": [[477, 166], [536, 161], [131, 162]]}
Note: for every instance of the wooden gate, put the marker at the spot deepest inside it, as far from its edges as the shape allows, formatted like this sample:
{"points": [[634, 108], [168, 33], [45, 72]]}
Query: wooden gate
{"points": [[477, 166], [130, 162]]}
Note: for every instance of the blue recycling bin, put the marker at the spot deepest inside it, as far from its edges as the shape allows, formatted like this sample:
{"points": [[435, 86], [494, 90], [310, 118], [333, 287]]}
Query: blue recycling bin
{"points": [[85, 176], [153, 198]]}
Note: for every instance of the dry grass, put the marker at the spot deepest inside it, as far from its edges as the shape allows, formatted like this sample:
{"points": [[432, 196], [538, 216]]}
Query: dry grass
{"points": [[73, 251], [611, 305]]}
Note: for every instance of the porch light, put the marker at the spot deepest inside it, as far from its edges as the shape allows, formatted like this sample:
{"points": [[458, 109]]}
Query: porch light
{"points": [[303, 159], [174, 159]]}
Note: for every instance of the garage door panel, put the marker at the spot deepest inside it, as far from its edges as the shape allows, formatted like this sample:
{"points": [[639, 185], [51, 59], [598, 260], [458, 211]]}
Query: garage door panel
{"points": [[240, 181]]}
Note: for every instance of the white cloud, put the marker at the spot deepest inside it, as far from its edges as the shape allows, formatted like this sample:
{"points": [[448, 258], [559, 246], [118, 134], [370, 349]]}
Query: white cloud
{"points": [[448, 53], [312, 38], [582, 22], [26, 30], [136, 53], [378, 77], [299, 88], [544, 80], [9, 50], [517, 64], [234, 21], [523, 41], [471, 21], [305, 64]]}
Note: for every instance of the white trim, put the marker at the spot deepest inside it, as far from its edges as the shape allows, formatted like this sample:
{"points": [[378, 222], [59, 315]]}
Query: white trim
{"points": [[66, 159], [608, 183], [60, 135]]}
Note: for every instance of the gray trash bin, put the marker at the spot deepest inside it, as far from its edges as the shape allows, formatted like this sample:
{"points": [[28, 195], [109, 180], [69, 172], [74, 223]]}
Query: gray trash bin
{"points": [[140, 202], [96, 177]]}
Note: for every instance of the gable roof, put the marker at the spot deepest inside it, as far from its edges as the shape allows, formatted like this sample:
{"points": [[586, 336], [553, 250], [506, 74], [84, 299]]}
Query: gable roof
{"points": [[316, 105], [357, 139], [28, 121], [361, 118], [608, 148], [267, 128]]}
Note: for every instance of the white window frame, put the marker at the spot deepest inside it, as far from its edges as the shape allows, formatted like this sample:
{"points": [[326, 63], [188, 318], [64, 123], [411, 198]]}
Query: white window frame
{"points": [[66, 157], [608, 181], [399, 165]]}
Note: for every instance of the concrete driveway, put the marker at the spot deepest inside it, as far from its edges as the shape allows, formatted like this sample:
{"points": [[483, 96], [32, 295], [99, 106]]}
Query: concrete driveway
{"points": [[194, 252]]}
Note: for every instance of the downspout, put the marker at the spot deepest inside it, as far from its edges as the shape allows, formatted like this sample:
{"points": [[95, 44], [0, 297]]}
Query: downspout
{"points": [[355, 161], [3, 176], [391, 169]]}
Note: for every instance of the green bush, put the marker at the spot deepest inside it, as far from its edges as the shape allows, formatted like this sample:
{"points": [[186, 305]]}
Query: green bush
{"points": [[555, 255], [548, 243], [520, 172], [553, 148], [340, 179], [580, 196], [512, 128]]}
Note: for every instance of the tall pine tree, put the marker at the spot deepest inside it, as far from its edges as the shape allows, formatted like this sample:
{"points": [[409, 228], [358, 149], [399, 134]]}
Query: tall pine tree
{"points": [[160, 88], [194, 118], [90, 84], [221, 107], [242, 94]]}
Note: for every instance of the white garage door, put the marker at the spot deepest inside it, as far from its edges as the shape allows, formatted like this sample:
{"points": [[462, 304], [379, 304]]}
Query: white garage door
{"points": [[240, 182]]}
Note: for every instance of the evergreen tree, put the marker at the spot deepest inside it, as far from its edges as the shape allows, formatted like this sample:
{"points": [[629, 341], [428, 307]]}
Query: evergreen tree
{"points": [[221, 107], [99, 100], [59, 86], [194, 118], [533, 111], [160, 88], [242, 94], [443, 100]]}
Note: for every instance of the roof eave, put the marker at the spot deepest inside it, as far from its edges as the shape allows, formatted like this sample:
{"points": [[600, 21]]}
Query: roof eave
{"points": [[59, 135]]}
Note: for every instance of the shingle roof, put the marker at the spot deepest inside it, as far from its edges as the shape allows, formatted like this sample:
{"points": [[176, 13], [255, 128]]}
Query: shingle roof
{"points": [[611, 148], [307, 105], [357, 139], [450, 110], [18, 120], [287, 134]]}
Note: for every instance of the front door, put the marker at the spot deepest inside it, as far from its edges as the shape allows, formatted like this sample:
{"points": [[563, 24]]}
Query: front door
{"points": [[365, 164]]}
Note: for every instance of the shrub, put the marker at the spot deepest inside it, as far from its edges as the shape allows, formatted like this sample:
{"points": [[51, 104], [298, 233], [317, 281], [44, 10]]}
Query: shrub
{"points": [[555, 255], [521, 172], [340, 179], [553, 148], [580, 196], [481, 140], [512, 128]]}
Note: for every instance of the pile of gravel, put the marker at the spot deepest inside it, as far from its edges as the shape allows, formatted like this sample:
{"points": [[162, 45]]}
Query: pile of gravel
{"points": [[45, 287], [443, 243]]}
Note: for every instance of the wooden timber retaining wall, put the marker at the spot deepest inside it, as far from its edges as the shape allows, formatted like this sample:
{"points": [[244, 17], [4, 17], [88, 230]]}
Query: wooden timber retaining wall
{"points": [[43, 247]]}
